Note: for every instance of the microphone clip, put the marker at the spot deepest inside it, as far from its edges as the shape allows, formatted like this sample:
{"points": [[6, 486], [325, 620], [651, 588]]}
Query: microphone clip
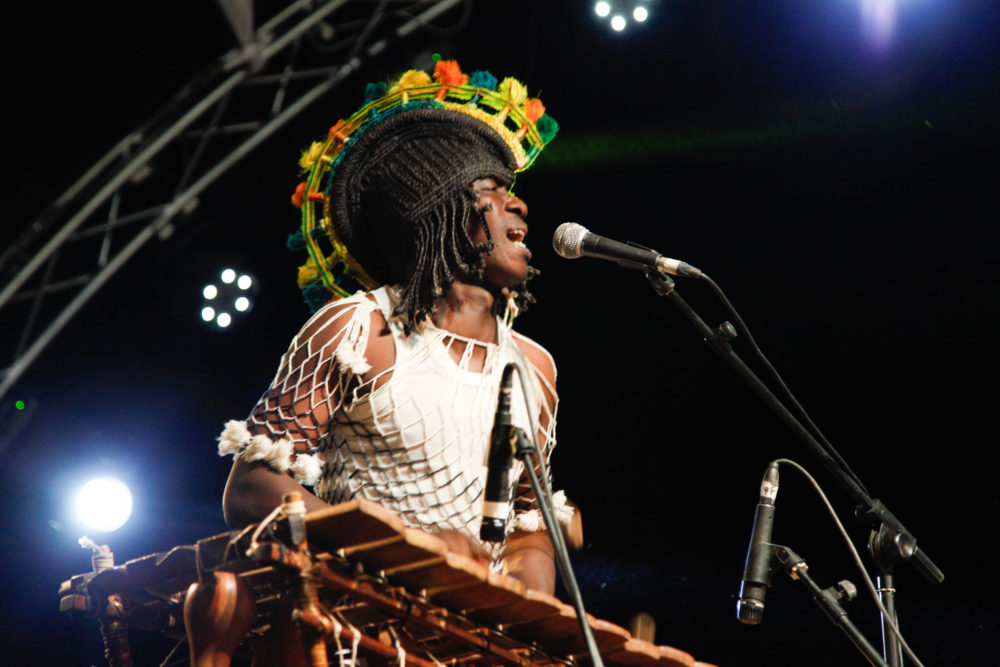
{"points": [[661, 282]]}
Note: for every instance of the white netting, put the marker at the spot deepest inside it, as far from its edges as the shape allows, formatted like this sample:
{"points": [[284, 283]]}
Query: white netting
{"points": [[410, 432]]}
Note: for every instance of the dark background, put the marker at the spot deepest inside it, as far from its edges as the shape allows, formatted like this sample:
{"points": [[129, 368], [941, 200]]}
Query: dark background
{"points": [[842, 194]]}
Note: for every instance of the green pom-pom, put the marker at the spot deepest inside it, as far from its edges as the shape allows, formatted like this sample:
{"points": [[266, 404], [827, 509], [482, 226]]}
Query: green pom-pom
{"points": [[316, 296], [295, 242], [373, 91], [547, 128], [483, 79]]}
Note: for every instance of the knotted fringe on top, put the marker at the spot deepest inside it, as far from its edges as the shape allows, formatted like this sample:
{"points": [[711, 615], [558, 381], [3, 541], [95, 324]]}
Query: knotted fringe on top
{"points": [[236, 439]]}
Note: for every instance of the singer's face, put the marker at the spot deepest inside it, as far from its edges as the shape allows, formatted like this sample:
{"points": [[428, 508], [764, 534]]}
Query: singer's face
{"points": [[507, 263]]}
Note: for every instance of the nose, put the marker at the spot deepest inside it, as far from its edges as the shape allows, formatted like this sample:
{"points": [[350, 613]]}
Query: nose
{"points": [[516, 205]]}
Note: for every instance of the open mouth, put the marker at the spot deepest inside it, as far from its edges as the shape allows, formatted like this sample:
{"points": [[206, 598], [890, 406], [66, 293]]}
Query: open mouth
{"points": [[516, 236]]}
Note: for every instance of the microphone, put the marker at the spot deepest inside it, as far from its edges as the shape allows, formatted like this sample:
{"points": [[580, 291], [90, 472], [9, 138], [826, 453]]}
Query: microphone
{"points": [[757, 571], [496, 495], [572, 240]]}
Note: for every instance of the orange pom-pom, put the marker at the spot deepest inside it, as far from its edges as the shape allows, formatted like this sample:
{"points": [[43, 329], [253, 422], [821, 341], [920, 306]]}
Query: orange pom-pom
{"points": [[336, 131], [300, 193], [533, 110], [449, 73]]}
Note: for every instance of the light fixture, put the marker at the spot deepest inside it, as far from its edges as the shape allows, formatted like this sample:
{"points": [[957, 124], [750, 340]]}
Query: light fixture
{"points": [[617, 11], [230, 295]]}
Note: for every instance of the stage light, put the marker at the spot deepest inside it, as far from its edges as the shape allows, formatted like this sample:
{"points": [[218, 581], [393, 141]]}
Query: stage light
{"points": [[104, 504], [232, 294], [879, 17], [616, 12]]}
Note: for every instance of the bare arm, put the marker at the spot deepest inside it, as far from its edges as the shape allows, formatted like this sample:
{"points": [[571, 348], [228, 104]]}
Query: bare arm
{"points": [[254, 489], [530, 558], [299, 406]]}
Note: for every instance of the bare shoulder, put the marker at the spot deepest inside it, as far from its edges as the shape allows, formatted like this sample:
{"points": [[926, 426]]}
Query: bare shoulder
{"points": [[330, 321], [351, 321], [537, 355]]}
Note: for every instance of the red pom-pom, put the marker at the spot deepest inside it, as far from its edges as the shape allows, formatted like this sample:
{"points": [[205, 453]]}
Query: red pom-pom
{"points": [[300, 192]]}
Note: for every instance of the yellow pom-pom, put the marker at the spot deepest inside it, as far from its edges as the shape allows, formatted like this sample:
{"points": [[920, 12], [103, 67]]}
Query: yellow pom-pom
{"points": [[308, 273], [414, 78], [513, 91], [310, 155]]}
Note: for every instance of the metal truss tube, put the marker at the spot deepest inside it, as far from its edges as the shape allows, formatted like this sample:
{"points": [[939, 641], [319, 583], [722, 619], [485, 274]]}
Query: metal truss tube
{"points": [[14, 371], [117, 181], [121, 148], [429, 15], [278, 121], [301, 28], [11, 374]]}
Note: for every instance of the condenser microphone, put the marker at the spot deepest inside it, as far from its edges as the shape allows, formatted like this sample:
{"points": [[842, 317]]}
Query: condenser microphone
{"points": [[757, 571], [572, 240], [496, 495]]}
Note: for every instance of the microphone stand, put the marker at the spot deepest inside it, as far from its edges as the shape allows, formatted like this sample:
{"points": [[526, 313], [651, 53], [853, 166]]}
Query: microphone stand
{"points": [[890, 542], [828, 600], [523, 450]]}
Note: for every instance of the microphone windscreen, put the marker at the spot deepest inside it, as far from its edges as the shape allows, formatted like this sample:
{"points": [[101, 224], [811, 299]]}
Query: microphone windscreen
{"points": [[568, 239]]}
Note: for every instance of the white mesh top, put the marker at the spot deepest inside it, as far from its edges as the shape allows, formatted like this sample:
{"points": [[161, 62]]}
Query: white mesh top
{"points": [[412, 437]]}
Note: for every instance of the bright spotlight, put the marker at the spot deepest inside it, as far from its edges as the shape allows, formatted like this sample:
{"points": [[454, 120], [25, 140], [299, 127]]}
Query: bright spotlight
{"points": [[242, 304], [618, 22], [228, 276], [210, 292], [879, 17], [224, 320], [602, 9], [244, 282], [640, 14], [104, 504], [208, 313]]}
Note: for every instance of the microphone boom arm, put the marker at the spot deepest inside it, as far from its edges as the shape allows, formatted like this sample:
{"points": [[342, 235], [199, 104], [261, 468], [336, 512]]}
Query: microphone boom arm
{"points": [[870, 508]]}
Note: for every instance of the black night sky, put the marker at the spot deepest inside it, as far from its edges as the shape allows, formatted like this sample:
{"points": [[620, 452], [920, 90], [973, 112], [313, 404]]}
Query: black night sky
{"points": [[842, 194]]}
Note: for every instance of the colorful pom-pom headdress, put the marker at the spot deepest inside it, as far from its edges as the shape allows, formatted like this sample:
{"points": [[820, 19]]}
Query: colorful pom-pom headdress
{"points": [[418, 140]]}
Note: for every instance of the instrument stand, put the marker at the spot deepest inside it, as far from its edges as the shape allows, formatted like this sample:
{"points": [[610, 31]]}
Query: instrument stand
{"points": [[891, 543], [89, 599], [828, 600], [315, 623]]}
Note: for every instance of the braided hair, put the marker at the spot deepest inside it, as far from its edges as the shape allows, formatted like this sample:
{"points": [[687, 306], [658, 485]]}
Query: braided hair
{"points": [[401, 200]]}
